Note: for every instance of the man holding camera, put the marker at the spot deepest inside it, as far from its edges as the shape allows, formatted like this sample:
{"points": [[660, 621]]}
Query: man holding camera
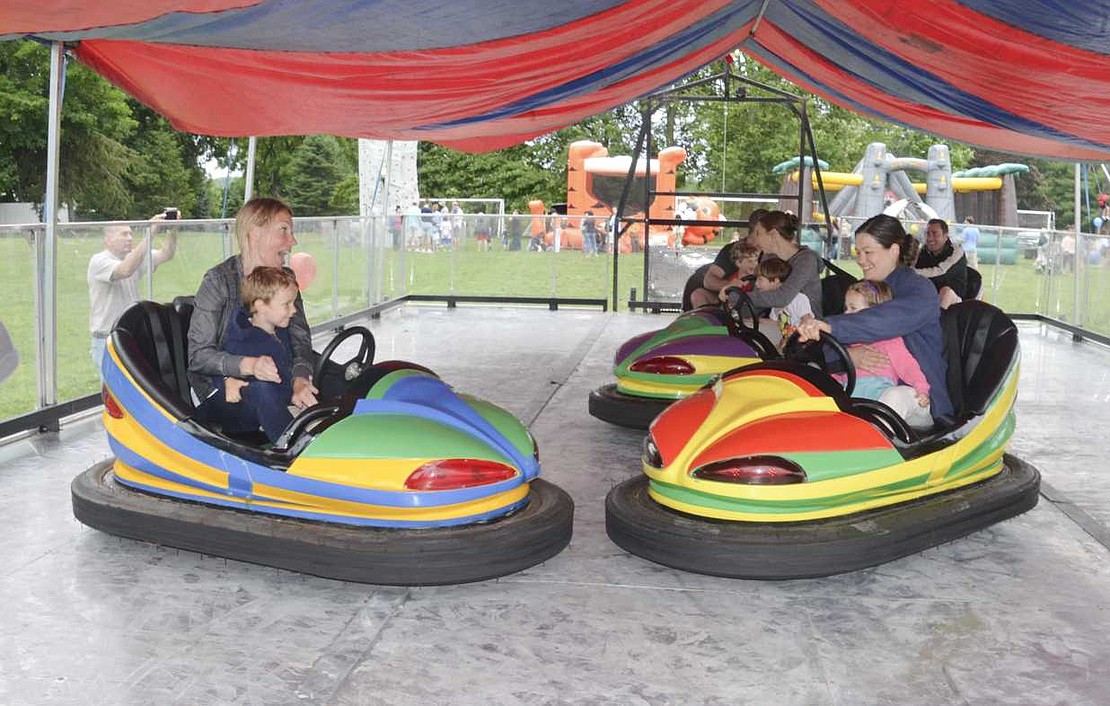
{"points": [[113, 276]]}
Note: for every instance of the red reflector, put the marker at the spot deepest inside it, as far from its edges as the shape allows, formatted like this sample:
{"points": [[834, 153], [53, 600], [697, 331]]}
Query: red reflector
{"points": [[456, 473], [110, 405], [663, 365], [752, 470]]}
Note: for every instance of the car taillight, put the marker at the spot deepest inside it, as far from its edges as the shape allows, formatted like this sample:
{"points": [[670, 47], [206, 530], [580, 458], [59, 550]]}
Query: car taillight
{"points": [[111, 406], [456, 473], [752, 470], [652, 457], [663, 365]]}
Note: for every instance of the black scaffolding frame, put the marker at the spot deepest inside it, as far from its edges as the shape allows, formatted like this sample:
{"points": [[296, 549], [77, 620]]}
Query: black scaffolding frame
{"points": [[729, 87]]}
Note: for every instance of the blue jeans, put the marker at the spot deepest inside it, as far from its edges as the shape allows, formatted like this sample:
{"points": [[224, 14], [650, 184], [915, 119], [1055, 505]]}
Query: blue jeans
{"points": [[263, 404], [97, 352]]}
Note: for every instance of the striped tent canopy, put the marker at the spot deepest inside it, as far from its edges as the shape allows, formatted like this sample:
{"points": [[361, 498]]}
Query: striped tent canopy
{"points": [[1026, 76]]}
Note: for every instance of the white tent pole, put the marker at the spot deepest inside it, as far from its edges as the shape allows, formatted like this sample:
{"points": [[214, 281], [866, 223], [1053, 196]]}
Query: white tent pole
{"points": [[248, 185], [1075, 264], [46, 323]]}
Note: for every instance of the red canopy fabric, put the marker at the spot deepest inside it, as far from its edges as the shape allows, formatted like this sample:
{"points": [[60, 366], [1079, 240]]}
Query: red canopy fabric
{"points": [[1025, 76]]}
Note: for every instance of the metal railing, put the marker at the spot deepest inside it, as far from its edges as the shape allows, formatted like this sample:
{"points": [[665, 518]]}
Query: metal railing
{"points": [[363, 263]]}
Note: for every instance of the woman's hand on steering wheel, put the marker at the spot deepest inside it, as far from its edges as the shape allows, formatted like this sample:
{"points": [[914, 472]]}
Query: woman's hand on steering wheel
{"points": [[795, 348], [810, 328]]}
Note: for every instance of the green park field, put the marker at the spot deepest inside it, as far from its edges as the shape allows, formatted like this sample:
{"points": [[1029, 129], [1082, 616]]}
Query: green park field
{"points": [[1015, 288]]}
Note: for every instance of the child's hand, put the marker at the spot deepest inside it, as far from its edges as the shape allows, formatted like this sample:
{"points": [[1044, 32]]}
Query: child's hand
{"points": [[233, 389], [922, 399]]}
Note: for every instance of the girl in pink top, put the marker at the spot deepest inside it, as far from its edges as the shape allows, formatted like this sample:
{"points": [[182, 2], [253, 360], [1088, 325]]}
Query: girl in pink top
{"points": [[899, 384]]}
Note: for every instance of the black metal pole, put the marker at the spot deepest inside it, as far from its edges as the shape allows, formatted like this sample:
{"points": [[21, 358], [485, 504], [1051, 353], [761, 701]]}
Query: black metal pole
{"points": [[829, 244], [648, 192], [645, 128]]}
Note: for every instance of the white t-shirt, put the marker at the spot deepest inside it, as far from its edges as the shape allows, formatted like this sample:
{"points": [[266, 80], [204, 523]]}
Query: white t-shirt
{"points": [[789, 316], [107, 299]]}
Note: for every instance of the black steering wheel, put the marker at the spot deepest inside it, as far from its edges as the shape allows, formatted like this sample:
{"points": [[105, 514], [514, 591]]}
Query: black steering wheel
{"points": [[307, 418], [884, 417], [354, 367], [810, 352], [737, 303]]}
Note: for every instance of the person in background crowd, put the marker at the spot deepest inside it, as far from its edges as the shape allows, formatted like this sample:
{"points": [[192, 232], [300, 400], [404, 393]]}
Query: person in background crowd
{"points": [[970, 243]]}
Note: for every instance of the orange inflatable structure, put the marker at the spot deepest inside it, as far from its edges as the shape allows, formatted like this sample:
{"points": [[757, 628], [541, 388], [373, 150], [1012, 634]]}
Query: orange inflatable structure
{"points": [[704, 209], [595, 181]]}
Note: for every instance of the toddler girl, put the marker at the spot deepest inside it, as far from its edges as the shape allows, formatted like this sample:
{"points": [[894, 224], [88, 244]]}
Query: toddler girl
{"points": [[899, 384]]}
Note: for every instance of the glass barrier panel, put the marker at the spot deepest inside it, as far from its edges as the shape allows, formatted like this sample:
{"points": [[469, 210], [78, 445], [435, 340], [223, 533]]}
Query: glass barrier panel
{"points": [[1095, 286], [88, 254], [19, 392], [512, 265], [579, 269], [197, 247]]}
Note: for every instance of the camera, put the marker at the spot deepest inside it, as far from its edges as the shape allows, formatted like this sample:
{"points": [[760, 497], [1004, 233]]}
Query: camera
{"points": [[171, 214]]}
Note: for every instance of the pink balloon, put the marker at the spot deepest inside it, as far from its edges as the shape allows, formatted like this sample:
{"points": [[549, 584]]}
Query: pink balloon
{"points": [[304, 266]]}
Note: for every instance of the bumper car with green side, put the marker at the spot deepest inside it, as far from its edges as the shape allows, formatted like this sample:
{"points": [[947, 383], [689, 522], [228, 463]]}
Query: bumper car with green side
{"points": [[410, 483], [776, 472]]}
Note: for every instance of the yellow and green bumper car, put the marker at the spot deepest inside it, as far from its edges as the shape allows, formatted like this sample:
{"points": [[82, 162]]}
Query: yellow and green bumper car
{"points": [[410, 484], [656, 368], [775, 472]]}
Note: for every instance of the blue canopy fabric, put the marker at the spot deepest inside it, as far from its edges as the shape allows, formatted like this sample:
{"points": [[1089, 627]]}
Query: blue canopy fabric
{"points": [[1026, 76]]}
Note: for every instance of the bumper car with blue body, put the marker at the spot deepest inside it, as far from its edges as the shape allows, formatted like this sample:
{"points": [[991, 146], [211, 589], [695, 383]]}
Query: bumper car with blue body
{"points": [[409, 484], [775, 472]]}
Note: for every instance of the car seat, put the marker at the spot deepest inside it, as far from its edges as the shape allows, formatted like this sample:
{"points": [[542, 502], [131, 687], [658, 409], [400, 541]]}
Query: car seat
{"points": [[974, 284], [834, 285], [980, 345], [151, 344]]}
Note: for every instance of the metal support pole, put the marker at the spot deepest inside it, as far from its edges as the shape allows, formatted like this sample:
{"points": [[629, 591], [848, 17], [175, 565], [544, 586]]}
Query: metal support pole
{"points": [[248, 178], [1076, 247], [334, 268], [46, 255], [645, 128], [649, 187]]}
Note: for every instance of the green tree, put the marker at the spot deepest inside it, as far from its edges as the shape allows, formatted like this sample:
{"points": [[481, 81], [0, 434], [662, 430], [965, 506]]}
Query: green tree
{"points": [[96, 122], [316, 168], [162, 172]]}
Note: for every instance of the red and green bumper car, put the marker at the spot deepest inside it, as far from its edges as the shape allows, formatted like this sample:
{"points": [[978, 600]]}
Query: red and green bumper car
{"points": [[776, 472], [410, 483]]}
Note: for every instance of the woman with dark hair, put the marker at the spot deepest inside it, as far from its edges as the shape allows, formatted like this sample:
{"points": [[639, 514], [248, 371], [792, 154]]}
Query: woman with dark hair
{"points": [[886, 253], [776, 233]]}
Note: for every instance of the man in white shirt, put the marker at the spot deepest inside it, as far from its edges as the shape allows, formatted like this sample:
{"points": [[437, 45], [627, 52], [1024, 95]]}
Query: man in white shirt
{"points": [[113, 277]]}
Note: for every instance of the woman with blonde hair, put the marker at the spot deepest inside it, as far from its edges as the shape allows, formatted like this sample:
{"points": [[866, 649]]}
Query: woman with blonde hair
{"points": [[264, 233]]}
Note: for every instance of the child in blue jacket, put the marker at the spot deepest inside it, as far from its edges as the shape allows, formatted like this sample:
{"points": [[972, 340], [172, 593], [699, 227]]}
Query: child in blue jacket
{"points": [[260, 332]]}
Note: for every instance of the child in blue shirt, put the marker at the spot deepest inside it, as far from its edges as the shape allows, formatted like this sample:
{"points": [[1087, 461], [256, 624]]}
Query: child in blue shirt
{"points": [[260, 332]]}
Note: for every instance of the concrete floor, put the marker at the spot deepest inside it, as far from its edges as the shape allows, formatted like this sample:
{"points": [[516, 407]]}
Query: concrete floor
{"points": [[1015, 614]]}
